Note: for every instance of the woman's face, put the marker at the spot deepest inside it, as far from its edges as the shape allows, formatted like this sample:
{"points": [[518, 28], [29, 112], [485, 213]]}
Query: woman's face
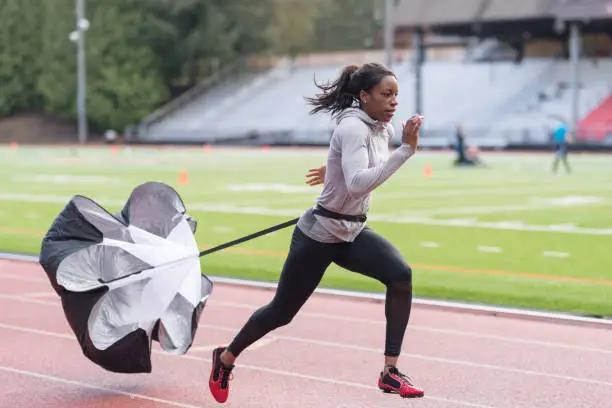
{"points": [[380, 102]]}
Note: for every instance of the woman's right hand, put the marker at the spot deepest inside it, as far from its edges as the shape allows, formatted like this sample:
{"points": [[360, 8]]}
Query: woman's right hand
{"points": [[410, 131], [316, 176]]}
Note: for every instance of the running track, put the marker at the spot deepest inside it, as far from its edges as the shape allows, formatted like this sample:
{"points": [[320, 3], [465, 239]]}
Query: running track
{"points": [[329, 356]]}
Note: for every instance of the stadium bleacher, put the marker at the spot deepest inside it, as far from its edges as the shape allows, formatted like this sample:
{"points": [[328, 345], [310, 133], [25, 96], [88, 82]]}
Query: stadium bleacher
{"points": [[495, 102]]}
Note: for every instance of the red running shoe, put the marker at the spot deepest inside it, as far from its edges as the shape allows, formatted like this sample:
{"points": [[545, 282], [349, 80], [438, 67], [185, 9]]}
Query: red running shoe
{"points": [[220, 376], [398, 383]]}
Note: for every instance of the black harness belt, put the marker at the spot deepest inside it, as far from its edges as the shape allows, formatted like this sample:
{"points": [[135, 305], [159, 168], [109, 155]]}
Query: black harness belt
{"points": [[330, 214]]}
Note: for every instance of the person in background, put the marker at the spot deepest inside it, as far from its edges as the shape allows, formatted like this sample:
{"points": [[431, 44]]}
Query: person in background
{"points": [[462, 158], [561, 138]]}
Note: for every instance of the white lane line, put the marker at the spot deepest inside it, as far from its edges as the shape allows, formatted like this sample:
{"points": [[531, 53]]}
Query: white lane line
{"points": [[209, 347], [23, 278], [258, 344], [426, 244], [36, 331], [37, 294], [367, 349], [208, 360], [364, 321], [81, 384]]}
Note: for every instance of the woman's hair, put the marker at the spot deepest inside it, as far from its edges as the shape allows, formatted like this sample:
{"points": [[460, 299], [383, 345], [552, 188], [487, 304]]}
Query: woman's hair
{"points": [[344, 91]]}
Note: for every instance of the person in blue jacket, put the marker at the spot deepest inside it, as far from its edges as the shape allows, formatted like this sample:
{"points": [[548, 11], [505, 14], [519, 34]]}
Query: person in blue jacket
{"points": [[561, 138]]}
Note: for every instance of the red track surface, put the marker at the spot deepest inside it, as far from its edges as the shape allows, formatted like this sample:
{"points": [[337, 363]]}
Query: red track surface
{"points": [[329, 356]]}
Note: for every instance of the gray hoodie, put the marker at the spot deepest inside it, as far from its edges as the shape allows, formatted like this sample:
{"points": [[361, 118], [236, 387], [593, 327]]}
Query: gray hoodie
{"points": [[357, 163]]}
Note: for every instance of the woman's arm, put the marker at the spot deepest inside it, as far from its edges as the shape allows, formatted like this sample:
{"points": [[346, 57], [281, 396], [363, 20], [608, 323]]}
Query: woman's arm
{"points": [[359, 178]]}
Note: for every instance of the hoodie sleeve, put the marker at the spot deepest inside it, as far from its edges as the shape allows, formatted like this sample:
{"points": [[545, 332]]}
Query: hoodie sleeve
{"points": [[358, 177]]}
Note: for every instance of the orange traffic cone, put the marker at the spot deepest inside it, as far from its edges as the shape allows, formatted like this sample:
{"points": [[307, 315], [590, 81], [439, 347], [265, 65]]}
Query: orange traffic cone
{"points": [[206, 148], [183, 177], [13, 145], [427, 170]]}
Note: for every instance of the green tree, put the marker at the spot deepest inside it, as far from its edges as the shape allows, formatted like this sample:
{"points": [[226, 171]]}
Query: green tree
{"points": [[124, 79], [215, 32], [346, 24], [293, 29], [57, 80], [20, 47]]}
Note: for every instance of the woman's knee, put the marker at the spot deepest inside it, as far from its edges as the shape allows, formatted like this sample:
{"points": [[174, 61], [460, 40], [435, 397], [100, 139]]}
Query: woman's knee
{"points": [[402, 275], [273, 316]]}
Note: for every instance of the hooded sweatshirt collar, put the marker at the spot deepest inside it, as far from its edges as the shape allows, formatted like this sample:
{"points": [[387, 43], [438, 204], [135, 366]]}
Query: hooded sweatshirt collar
{"points": [[375, 125]]}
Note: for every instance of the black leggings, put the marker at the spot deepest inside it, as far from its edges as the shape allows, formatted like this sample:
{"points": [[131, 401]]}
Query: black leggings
{"points": [[369, 254]]}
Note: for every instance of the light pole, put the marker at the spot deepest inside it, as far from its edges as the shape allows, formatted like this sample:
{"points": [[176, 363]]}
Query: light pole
{"points": [[388, 32], [78, 36]]}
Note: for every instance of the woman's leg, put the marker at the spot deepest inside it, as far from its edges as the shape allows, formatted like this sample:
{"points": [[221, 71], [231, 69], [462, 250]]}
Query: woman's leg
{"points": [[301, 274], [373, 255]]}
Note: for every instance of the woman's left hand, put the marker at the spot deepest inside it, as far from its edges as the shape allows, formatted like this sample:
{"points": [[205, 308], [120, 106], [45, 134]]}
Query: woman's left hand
{"points": [[316, 176]]}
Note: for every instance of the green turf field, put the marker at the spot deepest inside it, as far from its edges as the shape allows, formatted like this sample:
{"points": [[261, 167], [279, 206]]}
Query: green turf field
{"points": [[512, 233]]}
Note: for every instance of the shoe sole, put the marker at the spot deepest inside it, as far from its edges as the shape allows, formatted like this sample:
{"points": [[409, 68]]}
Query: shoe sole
{"points": [[385, 391]]}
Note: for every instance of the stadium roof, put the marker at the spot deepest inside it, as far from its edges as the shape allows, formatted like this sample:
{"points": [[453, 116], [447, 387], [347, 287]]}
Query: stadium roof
{"points": [[517, 10], [435, 12], [583, 9], [456, 13]]}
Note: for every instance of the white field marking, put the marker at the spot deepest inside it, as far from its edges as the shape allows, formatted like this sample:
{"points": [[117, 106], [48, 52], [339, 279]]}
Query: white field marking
{"points": [[62, 179], [555, 254], [490, 192], [51, 199], [568, 201], [390, 218], [460, 333], [562, 202], [381, 196], [497, 225], [222, 229], [429, 244], [198, 358], [489, 249], [273, 187], [81, 384]]}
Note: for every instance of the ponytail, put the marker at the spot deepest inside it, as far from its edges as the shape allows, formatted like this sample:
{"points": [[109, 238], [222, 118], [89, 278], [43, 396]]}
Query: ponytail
{"points": [[344, 91], [336, 96]]}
